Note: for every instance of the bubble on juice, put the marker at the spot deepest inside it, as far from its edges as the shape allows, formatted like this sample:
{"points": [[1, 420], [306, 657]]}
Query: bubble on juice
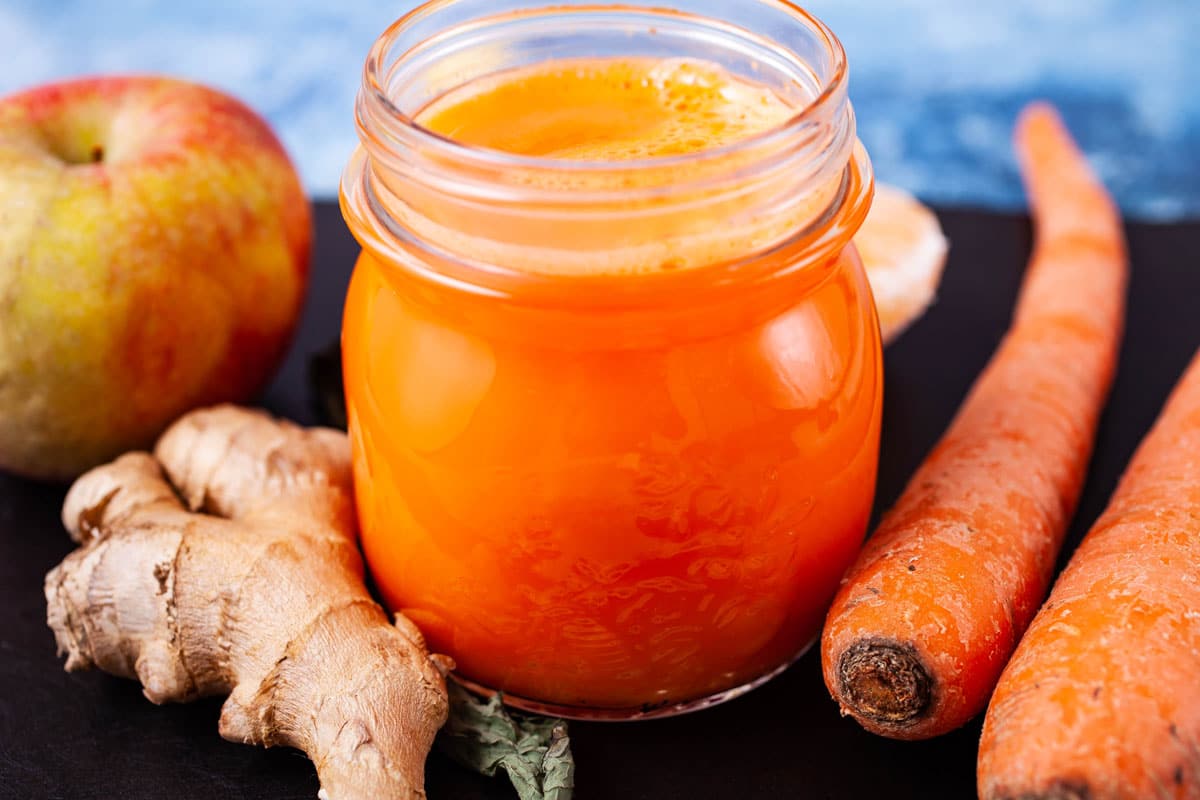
{"points": [[696, 106]]}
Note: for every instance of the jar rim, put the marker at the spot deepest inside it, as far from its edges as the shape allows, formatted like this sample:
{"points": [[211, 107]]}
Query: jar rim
{"points": [[816, 243], [813, 151], [829, 93]]}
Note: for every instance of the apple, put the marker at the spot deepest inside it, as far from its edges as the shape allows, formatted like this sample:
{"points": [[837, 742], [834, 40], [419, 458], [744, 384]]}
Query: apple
{"points": [[154, 249]]}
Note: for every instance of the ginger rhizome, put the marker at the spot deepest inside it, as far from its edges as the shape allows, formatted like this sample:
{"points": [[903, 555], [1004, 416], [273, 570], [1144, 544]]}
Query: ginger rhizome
{"points": [[226, 564]]}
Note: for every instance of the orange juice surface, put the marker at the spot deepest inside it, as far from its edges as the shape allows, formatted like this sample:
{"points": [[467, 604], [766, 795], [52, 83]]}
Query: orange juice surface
{"points": [[607, 109], [588, 519]]}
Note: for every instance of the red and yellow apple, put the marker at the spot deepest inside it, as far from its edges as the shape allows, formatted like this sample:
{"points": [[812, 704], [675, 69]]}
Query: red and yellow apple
{"points": [[154, 248]]}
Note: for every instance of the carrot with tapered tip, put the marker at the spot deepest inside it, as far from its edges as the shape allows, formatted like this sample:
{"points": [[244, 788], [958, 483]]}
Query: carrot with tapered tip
{"points": [[934, 606]]}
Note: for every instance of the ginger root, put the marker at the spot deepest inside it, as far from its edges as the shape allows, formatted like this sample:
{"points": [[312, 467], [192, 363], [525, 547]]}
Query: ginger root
{"points": [[226, 564]]}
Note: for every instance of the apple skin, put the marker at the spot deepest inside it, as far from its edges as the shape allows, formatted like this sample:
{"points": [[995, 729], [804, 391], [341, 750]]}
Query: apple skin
{"points": [[154, 256]]}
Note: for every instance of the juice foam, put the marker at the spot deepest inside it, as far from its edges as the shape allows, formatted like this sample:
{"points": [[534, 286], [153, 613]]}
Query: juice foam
{"points": [[607, 109]]}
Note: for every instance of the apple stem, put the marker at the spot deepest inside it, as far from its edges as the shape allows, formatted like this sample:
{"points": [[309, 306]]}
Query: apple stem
{"points": [[97, 153]]}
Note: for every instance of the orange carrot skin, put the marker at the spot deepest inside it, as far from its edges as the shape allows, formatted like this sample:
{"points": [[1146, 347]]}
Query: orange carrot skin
{"points": [[959, 566], [1102, 697]]}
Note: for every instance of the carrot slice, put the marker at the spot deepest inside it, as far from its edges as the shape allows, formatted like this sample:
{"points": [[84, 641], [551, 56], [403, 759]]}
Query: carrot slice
{"points": [[1102, 698], [935, 604]]}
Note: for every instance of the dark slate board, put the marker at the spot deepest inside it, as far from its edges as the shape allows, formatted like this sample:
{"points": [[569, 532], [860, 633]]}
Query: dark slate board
{"points": [[92, 736]]}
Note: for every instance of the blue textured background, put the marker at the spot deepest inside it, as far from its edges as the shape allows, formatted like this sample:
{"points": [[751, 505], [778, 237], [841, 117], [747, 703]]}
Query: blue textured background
{"points": [[936, 82]]}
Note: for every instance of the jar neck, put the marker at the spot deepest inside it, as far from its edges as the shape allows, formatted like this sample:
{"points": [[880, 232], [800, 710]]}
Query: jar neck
{"points": [[534, 228]]}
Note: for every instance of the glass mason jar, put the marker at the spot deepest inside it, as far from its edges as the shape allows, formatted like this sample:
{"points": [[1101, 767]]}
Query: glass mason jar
{"points": [[615, 424]]}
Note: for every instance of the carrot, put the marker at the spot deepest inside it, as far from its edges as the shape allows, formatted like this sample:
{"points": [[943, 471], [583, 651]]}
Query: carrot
{"points": [[935, 604], [1102, 698]]}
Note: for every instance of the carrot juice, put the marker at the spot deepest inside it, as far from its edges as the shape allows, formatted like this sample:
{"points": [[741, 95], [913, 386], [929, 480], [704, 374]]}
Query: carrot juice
{"points": [[612, 367]]}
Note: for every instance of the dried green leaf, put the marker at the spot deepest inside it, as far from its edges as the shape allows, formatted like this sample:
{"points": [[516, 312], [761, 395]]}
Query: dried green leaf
{"points": [[535, 752]]}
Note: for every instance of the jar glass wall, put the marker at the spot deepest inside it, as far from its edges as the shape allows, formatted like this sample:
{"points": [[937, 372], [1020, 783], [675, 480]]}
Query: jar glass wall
{"points": [[615, 425]]}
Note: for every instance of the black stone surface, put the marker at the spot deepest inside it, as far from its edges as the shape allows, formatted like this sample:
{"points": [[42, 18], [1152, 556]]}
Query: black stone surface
{"points": [[92, 736]]}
